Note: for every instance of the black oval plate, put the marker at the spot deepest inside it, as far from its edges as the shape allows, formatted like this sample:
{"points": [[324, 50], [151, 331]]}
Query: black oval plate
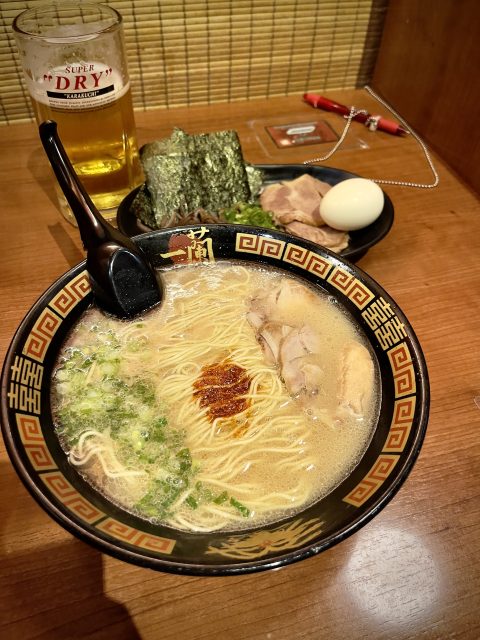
{"points": [[360, 240]]}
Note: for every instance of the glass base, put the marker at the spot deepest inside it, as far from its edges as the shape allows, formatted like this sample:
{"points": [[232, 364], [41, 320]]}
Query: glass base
{"points": [[110, 215]]}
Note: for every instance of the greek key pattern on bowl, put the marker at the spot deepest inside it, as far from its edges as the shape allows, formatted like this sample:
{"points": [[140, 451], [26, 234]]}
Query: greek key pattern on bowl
{"points": [[374, 479], [39, 455], [301, 257], [26, 376], [71, 294], [260, 246], [30, 432], [351, 287], [24, 396], [403, 414], [40, 337], [403, 371], [345, 282], [136, 538], [66, 493]]}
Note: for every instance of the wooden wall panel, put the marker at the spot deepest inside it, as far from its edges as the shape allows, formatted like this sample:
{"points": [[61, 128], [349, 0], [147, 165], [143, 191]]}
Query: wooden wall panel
{"points": [[428, 69]]}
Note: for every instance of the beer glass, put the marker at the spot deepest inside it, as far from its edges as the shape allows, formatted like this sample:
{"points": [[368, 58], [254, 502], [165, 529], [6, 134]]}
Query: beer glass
{"points": [[75, 67]]}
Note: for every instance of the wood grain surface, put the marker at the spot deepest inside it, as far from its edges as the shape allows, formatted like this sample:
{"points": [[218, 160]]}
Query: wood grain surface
{"points": [[413, 572], [427, 67]]}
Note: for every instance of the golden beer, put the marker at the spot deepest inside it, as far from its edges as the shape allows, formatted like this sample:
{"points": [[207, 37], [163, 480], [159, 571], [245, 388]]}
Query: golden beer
{"points": [[75, 68], [101, 145]]}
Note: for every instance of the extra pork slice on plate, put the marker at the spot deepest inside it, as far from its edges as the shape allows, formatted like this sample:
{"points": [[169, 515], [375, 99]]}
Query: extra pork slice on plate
{"points": [[302, 195], [295, 204], [326, 236]]}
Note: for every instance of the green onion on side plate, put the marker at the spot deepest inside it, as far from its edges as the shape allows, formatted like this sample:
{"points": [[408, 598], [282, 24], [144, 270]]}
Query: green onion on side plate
{"points": [[250, 214]]}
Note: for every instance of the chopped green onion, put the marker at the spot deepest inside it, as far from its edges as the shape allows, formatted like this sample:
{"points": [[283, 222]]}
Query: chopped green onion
{"points": [[245, 511]]}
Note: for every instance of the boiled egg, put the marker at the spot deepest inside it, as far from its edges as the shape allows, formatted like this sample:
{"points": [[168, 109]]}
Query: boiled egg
{"points": [[352, 204]]}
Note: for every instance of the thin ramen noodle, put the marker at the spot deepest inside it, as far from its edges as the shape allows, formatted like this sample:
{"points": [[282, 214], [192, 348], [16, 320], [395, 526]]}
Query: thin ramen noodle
{"points": [[182, 417]]}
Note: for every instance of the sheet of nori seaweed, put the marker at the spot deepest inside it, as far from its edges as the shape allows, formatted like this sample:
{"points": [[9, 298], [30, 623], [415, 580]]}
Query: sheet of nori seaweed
{"points": [[255, 177], [187, 172], [221, 170], [166, 164], [142, 207]]}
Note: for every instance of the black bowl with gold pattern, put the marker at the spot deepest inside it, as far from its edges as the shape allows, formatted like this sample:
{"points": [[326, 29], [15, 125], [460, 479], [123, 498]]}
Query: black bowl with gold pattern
{"points": [[42, 465]]}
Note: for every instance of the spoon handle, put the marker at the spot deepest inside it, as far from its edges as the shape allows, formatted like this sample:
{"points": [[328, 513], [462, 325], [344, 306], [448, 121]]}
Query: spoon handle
{"points": [[94, 230], [123, 280]]}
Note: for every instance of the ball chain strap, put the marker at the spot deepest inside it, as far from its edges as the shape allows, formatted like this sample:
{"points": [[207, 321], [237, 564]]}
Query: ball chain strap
{"points": [[353, 113]]}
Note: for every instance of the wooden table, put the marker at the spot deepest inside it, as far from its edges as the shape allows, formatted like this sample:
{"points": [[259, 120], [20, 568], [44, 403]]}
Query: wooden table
{"points": [[412, 572]]}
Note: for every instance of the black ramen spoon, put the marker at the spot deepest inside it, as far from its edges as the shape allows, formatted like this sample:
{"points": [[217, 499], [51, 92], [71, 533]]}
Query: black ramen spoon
{"points": [[123, 281]]}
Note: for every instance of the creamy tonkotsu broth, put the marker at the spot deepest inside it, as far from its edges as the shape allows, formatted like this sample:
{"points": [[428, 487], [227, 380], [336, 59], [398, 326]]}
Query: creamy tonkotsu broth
{"points": [[243, 399]]}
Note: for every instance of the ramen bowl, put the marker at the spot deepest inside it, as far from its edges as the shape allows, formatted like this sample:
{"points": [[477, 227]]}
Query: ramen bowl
{"points": [[41, 463]]}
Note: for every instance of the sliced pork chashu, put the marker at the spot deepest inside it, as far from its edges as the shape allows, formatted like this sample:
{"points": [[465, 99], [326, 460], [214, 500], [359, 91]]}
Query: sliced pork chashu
{"points": [[272, 336], [295, 205], [305, 196], [299, 359], [325, 236], [274, 198], [357, 376], [300, 197], [279, 318], [293, 216], [287, 302]]}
